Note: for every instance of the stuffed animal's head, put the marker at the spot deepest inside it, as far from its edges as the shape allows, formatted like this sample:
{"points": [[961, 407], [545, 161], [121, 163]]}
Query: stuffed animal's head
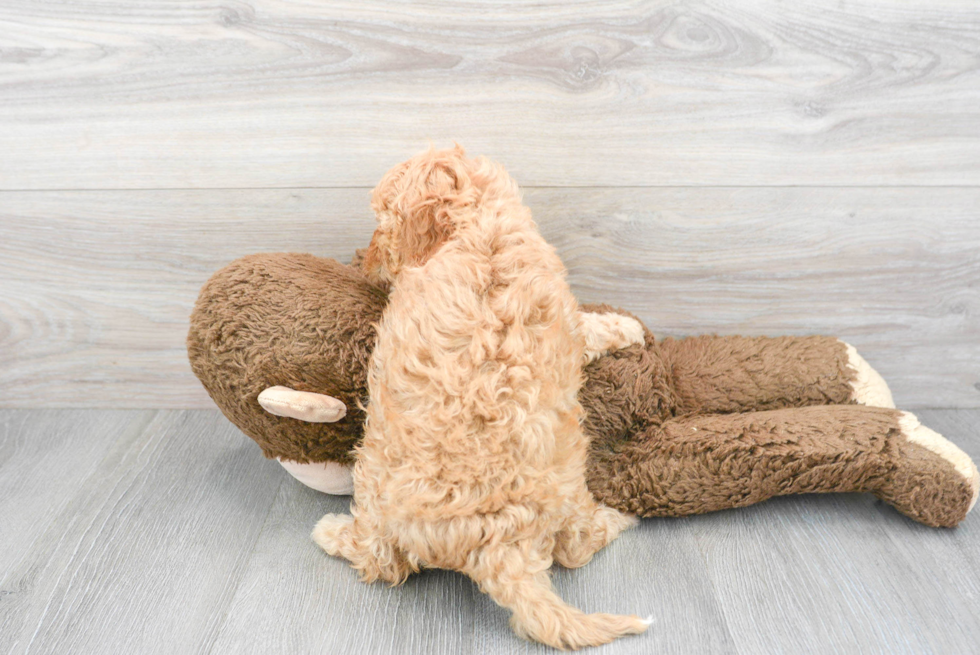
{"points": [[287, 320]]}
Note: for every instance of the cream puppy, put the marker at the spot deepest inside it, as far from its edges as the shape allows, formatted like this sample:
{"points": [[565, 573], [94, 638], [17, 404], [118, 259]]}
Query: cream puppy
{"points": [[473, 457]]}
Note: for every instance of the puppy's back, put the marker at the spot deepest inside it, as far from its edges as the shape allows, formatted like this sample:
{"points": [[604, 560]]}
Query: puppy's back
{"points": [[476, 370]]}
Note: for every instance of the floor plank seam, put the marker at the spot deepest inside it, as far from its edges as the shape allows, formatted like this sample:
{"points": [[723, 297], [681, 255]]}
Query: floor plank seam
{"points": [[239, 574], [360, 187], [147, 423], [703, 556]]}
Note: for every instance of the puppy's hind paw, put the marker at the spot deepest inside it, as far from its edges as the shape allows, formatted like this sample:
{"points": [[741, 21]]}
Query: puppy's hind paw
{"points": [[631, 332], [332, 533], [608, 332]]}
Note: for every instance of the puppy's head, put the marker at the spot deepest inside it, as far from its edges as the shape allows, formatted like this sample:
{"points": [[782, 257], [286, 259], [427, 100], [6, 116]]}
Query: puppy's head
{"points": [[419, 205]]}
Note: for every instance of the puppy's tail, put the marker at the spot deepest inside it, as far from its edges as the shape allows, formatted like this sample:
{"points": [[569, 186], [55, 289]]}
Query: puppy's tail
{"points": [[538, 612]]}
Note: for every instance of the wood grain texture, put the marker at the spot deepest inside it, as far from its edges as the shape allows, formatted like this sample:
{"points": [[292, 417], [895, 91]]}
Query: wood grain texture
{"points": [[847, 573], [98, 286], [146, 556], [177, 537], [655, 569], [46, 458], [294, 598], [758, 167], [962, 428], [270, 93]]}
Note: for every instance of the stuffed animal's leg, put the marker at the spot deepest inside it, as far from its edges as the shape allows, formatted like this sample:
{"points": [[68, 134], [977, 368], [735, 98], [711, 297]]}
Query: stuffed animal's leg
{"points": [[738, 374], [921, 486], [590, 529], [364, 546], [704, 463], [608, 331]]}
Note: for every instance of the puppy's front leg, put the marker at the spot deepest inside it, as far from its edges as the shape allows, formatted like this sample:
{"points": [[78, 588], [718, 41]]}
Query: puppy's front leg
{"points": [[607, 332]]}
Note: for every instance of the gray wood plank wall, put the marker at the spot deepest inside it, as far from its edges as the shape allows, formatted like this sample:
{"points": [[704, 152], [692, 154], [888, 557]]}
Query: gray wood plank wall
{"points": [[756, 167], [151, 93]]}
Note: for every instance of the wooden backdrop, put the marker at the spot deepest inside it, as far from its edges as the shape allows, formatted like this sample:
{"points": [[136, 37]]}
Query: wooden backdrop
{"points": [[752, 167]]}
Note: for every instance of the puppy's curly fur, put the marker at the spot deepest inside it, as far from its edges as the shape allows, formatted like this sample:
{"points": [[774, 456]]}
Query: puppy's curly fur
{"points": [[473, 456]]}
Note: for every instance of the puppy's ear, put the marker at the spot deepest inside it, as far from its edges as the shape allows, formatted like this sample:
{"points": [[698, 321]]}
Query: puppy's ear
{"points": [[376, 262], [434, 202], [424, 231]]}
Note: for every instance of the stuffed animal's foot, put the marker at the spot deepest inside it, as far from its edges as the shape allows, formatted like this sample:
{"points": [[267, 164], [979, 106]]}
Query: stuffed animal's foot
{"points": [[328, 477], [607, 332], [869, 388], [934, 482]]}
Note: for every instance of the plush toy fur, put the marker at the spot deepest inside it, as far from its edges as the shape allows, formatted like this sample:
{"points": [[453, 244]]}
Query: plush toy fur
{"points": [[291, 320], [677, 427]]}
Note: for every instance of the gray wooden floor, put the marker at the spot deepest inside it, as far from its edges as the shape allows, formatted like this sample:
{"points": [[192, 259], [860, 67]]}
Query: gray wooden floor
{"points": [[162, 531]]}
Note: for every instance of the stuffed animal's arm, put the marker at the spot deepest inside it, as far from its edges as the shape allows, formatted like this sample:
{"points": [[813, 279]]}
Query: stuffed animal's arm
{"points": [[721, 375]]}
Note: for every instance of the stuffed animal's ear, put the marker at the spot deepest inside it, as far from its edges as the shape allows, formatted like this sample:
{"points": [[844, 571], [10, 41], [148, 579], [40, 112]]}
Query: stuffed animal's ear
{"points": [[302, 405]]}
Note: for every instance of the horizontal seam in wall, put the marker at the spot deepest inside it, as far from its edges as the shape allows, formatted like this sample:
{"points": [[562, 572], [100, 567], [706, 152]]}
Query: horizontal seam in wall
{"points": [[529, 186]]}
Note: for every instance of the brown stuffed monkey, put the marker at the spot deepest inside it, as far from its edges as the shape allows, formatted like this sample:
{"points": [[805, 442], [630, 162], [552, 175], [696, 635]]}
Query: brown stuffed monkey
{"points": [[281, 342]]}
